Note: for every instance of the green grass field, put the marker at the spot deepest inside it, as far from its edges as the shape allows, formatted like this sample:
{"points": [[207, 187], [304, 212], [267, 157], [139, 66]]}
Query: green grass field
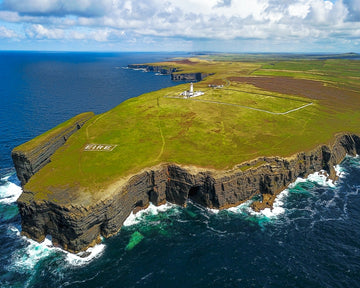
{"points": [[222, 128]]}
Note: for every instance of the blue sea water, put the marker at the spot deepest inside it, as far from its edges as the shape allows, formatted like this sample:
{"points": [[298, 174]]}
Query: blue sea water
{"points": [[310, 239]]}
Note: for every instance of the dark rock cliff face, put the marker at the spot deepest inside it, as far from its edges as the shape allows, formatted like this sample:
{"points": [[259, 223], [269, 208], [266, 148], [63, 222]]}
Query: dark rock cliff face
{"points": [[150, 68], [29, 162], [198, 76], [77, 227]]}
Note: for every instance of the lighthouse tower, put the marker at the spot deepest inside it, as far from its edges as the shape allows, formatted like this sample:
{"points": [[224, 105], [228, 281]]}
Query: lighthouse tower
{"points": [[190, 93]]}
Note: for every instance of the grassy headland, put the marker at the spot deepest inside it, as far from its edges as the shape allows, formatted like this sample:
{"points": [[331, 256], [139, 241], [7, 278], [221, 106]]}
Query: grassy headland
{"points": [[265, 108]]}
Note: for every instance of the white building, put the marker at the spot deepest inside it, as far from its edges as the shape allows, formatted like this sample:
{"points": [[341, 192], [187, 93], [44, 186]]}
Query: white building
{"points": [[191, 93]]}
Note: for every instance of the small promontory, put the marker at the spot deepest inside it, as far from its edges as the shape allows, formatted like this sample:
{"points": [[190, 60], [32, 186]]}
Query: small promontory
{"points": [[173, 68], [257, 127]]}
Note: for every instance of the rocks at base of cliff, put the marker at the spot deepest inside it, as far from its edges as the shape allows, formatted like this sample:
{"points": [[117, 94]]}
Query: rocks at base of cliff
{"points": [[267, 200], [28, 162], [75, 228]]}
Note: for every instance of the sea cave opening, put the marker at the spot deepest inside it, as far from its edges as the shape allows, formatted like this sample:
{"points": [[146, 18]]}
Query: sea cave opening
{"points": [[195, 195]]}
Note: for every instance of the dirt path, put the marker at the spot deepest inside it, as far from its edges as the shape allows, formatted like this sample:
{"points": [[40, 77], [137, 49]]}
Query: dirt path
{"points": [[161, 134], [87, 128]]}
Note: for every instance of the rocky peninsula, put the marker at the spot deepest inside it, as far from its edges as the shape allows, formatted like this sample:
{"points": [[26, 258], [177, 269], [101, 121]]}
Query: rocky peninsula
{"points": [[76, 227], [175, 73], [82, 179]]}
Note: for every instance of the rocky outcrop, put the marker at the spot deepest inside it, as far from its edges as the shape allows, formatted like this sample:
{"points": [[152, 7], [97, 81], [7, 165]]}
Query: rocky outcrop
{"points": [[174, 72], [29, 160], [76, 227]]}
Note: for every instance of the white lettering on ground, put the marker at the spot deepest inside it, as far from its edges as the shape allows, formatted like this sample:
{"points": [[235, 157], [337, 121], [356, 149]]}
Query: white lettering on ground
{"points": [[99, 147]]}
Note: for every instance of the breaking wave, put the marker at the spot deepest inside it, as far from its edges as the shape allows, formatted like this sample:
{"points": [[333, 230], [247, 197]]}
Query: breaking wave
{"points": [[30, 253], [279, 209], [33, 252], [151, 210], [9, 192], [10, 189]]}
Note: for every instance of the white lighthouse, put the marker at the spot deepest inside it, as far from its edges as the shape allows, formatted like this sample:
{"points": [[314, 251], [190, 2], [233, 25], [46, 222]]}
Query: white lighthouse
{"points": [[191, 93]]}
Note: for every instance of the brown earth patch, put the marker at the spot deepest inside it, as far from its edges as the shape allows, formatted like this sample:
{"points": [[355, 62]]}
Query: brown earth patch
{"points": [[328, 95], [217, 82], [185, 61], [185, 125]]}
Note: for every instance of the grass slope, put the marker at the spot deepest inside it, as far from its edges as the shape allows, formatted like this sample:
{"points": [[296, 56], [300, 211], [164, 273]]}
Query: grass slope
{"points": [[217, 130]]}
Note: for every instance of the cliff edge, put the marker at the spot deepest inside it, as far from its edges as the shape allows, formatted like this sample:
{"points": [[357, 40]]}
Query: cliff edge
{"points": [[76, 227], [30, 157]]}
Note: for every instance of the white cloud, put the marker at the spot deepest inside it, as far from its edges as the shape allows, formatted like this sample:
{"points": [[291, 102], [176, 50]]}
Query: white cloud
{"points": [[299, 10], [117, 20], [38, 31], [101, 35], [8, 33], [353, 7], [59, 7]]}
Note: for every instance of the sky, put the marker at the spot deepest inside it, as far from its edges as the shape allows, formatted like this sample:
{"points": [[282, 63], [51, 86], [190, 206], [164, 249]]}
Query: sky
{"points": [[181, 25]]}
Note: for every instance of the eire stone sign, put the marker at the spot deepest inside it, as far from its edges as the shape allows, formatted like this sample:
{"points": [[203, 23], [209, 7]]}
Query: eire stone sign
{"points": [[99, 147]]}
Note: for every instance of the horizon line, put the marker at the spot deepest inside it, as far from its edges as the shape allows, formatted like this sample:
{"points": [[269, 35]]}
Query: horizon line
{"points": [[185, 52]]}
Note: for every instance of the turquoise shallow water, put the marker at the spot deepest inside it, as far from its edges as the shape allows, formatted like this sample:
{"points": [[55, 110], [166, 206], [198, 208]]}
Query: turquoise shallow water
{"points": [[310, 239]]}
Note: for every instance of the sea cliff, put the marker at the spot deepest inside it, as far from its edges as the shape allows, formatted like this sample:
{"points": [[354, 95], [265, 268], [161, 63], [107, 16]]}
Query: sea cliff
{"points": [[76, 227], [153, 68], [176, 74], [29, 159]]}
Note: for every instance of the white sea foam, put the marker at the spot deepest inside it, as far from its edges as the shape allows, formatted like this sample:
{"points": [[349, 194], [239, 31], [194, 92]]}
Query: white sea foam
{"points": [[321, 179], [5, 178], [277, 206], [277, 209], [151, 210], [213, 211], [340, 171], [9, 192], [296, 182], [242, 208], [91, 254], [140, 69], [14, 230], [26, 258]]}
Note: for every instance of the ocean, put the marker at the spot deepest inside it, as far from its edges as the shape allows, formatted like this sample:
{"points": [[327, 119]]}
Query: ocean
{"points": [[310, 239]]}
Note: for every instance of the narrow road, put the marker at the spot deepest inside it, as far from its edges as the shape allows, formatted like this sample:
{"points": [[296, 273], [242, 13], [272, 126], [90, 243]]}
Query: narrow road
{"points": [[266, 95]]}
